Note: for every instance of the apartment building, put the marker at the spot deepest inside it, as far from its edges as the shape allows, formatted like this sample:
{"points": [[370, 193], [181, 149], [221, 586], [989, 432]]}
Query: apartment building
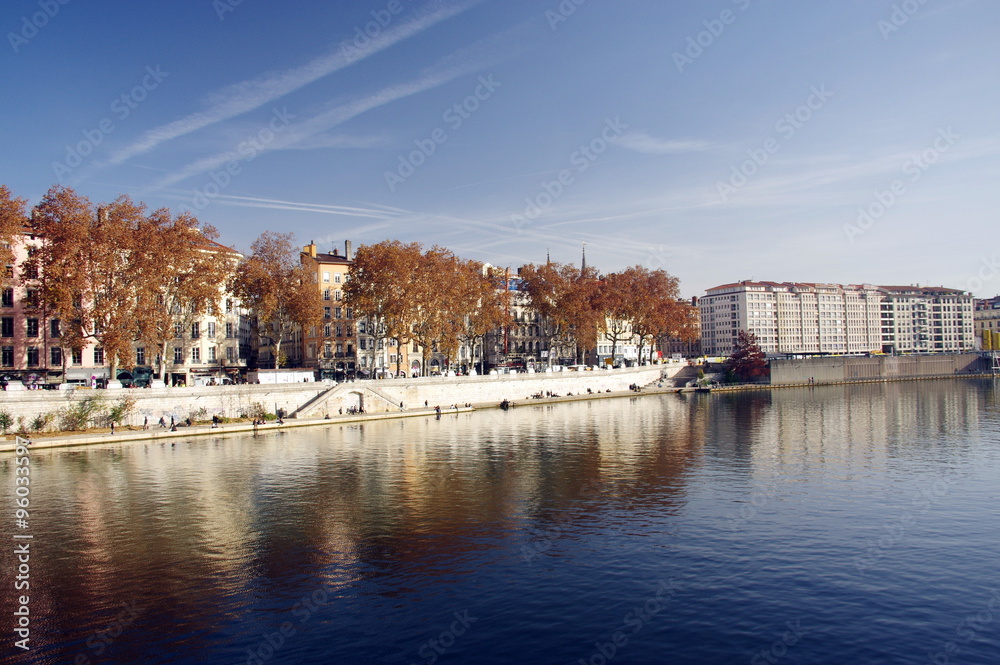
{"points": [[986, 323], [330, 348], [812, 318]]}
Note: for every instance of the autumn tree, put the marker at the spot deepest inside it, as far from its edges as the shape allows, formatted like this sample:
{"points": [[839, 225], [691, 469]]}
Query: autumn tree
{"points": [[653, 308], [564, 297], [747, 361], [615, 301], [13, 217], [380, 284], [279, 289], [92, 269], [183, 273], [489, 306]]}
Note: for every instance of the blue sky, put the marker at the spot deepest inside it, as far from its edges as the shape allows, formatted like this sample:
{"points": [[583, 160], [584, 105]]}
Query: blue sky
{"points": [[850, 141]]}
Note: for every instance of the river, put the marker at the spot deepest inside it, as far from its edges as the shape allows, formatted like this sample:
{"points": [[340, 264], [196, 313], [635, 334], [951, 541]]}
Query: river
{"points": [[848, 524]]}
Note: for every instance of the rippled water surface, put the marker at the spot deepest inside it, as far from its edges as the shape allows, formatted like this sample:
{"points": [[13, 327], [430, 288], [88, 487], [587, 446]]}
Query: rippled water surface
{"points": [[822, 525]]}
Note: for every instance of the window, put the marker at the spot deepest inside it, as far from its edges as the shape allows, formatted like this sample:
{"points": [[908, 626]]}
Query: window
{"points": [[55, 357], [327, 330], [211, 354], [363, 344], [350, 312], [230, 354], [229, 305], [336, 278], [98, 356], [54, 329], [229, 331], [196, 354], [337, 312], [31, 298], [32, 327], [178, 355], [336, 295], [140, 356], [340, 331], [7, 326], [326, 294], [210, 329], [7, 356], [8, 298], [195, 330], [326, 312], [31, 271], [77, 357], [178, 330], [326, 276]]}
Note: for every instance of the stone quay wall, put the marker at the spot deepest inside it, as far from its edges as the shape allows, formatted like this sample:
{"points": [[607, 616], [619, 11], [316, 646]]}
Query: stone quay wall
{"points": [[839, 369], [319, 399]]}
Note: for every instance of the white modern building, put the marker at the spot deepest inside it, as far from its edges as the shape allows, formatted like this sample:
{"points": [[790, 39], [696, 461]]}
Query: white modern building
{"points": [[809, 318]]}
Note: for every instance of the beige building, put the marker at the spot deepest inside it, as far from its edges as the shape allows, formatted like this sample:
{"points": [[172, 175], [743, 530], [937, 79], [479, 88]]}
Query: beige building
{"points": [[808, 318]]}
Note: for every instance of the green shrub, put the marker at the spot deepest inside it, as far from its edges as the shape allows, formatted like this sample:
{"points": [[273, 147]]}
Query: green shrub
{"points": [[79, 415], [6, 420]]}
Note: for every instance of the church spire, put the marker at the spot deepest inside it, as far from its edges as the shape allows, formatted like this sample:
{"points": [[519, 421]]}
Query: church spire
{"points": [[583, 263]]}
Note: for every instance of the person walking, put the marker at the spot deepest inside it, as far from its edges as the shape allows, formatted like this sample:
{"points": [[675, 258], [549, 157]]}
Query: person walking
{"points": [[145, 422]]}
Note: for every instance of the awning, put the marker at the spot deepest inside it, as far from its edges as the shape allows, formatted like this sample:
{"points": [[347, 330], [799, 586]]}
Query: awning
{"points": [[84, 373]]}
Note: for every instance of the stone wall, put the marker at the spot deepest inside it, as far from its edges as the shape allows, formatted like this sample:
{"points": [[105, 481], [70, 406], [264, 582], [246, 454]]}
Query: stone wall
{"points": [[875, 368], [322, 398], [384, 395]]}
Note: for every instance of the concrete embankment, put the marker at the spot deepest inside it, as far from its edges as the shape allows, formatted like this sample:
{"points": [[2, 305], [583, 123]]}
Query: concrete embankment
{"points": [[319, 403]]}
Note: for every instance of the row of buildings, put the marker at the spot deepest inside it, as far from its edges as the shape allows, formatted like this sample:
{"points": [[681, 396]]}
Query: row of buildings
{"points": [[786, 317]]}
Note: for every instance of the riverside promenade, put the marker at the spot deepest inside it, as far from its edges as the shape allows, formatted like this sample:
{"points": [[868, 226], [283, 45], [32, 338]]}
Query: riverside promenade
{"points": [[320, 404]]}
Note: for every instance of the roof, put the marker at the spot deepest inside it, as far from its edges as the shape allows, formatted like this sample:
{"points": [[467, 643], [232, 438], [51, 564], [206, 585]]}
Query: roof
{"points": [[922, 290]]}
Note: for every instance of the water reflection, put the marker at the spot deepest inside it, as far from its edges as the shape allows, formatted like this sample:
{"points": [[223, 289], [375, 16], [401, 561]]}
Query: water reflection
{"points": [[214, 540]]}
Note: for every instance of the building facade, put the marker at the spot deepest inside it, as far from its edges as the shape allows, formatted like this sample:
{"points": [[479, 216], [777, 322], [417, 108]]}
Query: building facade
{"points": [[331, 348], [986, 323], [810, 318]]}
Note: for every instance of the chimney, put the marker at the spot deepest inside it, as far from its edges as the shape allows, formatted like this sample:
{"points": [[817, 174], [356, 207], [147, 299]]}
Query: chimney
{"points": [[347, 250], [310, 249]]}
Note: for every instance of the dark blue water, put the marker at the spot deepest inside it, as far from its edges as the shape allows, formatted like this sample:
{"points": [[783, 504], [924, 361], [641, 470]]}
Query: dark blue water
{"points": [[822, 525]]}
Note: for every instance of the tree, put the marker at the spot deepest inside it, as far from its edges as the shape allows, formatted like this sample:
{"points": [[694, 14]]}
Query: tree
{"points": [[183, 273], [91, 269], [13, 217], [380, 284], [747, 361], [564, 297], [654, 309], [489, 301], [279, 289], [615, 302]]}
